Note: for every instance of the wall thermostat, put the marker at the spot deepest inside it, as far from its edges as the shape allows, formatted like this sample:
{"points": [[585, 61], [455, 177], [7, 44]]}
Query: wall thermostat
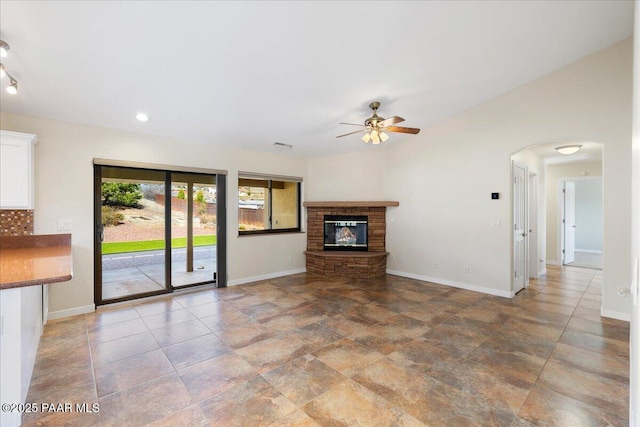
{"points": [[495, 196]]}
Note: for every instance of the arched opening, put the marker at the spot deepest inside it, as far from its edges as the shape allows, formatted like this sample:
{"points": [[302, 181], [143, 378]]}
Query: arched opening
{"points": [[545, 203]]}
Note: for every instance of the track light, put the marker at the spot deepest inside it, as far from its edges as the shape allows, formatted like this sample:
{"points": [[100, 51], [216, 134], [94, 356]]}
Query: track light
{"points": [[4, 47], [13, 87], [13, 83]]}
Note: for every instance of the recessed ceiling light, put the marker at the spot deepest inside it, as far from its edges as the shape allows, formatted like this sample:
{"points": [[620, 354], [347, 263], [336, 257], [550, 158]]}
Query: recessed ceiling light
{"points": [[142, 117]]}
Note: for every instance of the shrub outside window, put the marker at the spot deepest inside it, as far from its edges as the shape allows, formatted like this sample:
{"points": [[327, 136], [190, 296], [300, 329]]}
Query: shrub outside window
{"points": [[268, 204]]}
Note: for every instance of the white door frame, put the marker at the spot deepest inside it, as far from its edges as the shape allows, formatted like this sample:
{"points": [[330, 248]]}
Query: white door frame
{"points": [[569, 222], [534, 234], [525, 226], [561, 181]]}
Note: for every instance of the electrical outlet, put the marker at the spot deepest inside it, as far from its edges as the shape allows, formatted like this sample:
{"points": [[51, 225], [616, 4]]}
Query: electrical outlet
{"points": [[623, 292], [436, 265], [64, 225], [466, 269]]}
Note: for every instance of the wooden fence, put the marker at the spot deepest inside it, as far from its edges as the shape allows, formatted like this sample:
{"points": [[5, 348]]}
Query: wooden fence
{"points": [[246, 217]]}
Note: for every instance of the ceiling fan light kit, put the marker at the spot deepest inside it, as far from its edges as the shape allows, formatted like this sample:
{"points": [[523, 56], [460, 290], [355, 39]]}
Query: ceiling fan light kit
{"points": [[375, 127]]}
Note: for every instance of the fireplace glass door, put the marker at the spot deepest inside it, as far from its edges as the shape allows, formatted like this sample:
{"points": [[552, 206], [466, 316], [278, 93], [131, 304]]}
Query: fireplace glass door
{"points": [[345, 233]]}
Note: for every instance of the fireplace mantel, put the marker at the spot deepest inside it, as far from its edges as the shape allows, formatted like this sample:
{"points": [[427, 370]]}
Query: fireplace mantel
{"points": [[382, 204], [371, 263]]}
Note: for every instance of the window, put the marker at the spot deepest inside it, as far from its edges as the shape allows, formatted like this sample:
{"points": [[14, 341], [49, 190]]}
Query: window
{"points": [[268, 204]]}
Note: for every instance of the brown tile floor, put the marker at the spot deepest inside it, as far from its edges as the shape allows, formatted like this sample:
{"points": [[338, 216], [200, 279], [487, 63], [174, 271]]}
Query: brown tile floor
{"points": [[302, 351]]}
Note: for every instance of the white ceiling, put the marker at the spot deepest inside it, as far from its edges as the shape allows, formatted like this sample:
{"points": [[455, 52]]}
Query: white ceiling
{"points": [[249, 74]]}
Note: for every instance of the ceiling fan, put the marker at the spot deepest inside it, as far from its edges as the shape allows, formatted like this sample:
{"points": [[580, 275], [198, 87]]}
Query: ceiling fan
{"points": [[376, 126]]}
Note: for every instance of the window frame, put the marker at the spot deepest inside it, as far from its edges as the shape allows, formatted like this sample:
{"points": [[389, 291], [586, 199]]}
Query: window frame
{"points": [[268, 189]]}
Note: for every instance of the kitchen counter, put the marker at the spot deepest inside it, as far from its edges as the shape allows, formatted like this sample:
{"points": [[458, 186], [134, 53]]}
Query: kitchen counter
{"points": [[34, 260]]}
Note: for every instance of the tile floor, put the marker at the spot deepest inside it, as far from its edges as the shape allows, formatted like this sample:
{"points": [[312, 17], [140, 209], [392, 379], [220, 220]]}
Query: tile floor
{"points": [[586, 259], [302, 351]]}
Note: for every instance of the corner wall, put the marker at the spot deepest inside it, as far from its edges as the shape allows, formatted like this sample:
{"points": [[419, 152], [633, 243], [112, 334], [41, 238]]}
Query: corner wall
{"points": [[443, 177]]}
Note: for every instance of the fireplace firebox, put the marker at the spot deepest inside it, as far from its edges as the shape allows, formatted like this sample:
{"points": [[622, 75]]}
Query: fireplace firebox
{"points": [[345, 233]]}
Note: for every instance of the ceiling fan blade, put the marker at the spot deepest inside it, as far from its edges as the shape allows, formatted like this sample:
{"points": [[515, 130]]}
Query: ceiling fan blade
{"points": [[402, 129], [391, 121], [350, 124], [351, 133]]}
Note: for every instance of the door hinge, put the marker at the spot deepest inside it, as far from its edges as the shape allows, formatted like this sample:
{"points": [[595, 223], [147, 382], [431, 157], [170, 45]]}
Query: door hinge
{"points": [[563, 190], [563, 220], [515, 274], [563, 251]]}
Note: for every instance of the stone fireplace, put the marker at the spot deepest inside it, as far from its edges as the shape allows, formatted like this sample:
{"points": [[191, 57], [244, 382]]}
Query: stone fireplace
{"points": [[336, 245]]}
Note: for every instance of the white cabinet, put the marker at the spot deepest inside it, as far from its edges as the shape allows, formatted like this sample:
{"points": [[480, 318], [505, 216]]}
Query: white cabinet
{"points": [[21, 320], [16, 170]]}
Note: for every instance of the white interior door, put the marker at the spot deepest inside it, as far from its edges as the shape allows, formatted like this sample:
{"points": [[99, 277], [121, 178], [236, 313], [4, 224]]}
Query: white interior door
{"points": [[521, 272], [569, 222]]}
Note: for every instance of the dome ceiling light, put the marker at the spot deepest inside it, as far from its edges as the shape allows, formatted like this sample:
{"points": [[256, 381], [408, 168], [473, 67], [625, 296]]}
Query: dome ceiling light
{"points": [[568, 149]]}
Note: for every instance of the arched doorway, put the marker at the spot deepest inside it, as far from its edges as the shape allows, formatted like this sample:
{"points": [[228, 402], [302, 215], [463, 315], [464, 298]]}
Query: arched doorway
{"points": [[542, 200]]}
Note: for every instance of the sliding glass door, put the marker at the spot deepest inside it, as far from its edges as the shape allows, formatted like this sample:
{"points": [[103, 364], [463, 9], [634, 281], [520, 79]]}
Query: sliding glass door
{"points": [[155, 231], [193, 229]]}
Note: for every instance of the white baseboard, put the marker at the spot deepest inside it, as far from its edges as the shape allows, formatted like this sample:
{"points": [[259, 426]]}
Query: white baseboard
{"points": [[589, 251], [265, 277], [71, 312], [542, 272], [618, 315], [550, 262], [460, 285]]}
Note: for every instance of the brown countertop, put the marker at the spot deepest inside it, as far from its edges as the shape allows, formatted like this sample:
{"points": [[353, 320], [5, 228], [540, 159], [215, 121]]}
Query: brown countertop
{"points": [[34, 260]]}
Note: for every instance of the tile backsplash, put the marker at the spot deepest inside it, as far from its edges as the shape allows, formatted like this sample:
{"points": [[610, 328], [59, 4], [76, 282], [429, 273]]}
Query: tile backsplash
{"points": [[16, 222]]}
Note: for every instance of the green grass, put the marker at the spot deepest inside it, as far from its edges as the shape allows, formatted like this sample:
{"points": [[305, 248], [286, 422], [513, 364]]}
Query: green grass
{"points": [[150, 245]]}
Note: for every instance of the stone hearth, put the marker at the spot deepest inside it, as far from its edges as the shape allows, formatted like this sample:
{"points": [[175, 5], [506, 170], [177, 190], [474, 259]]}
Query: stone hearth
{"points": [[361, 265]]}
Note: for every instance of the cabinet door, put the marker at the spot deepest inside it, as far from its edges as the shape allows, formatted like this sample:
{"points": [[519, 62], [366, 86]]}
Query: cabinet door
{"points": [[16, 170]]}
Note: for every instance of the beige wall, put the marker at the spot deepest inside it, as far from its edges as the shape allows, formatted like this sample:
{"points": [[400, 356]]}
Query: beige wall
{"points": [[359, 176], [64, 190], [443, 176], [555, 175]]}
